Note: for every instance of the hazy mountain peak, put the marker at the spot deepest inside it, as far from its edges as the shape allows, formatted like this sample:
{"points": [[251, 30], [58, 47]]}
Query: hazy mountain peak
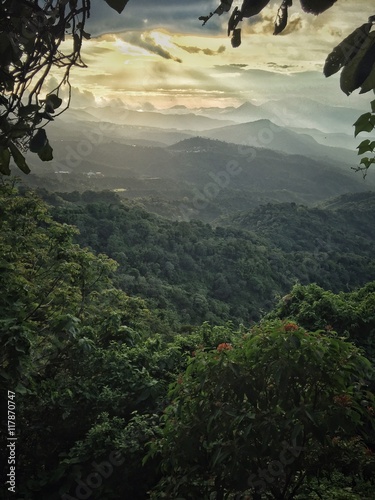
{"points": [[197, 144]]}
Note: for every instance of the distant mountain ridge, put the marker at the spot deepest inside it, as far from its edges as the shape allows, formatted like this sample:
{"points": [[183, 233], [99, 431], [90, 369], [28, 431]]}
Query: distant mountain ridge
{"points": [[196, 177], [266, 134], [188, 121]]}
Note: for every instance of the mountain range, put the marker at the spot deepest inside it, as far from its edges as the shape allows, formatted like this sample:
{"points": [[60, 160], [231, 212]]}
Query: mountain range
{"points": [[208, 160]]}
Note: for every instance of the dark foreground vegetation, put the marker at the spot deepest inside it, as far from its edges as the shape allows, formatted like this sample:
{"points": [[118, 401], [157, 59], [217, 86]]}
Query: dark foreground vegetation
{"points": [[177, 372]]}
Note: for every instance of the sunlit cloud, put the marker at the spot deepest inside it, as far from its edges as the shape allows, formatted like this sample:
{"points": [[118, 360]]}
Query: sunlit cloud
{"points": [[152, 42], [141, 60], [197, 50]]}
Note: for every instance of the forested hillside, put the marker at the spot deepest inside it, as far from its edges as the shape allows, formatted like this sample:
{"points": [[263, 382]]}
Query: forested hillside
{"points": [[191, 272], [187, 299], [326, 228], [199, 178], [112, 404]]}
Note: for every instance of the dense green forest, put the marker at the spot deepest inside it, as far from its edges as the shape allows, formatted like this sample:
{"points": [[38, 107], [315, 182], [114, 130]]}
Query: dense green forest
{"points": [[225, 352], [123, 393], [190, 272]]}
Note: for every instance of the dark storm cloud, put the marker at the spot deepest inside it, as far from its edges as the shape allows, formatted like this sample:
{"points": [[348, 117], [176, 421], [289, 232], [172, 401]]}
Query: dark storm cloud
{"points": [[174, 15]]}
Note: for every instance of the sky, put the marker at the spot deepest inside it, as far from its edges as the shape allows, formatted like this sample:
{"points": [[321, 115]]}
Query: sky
{"points": [[158, 54]]}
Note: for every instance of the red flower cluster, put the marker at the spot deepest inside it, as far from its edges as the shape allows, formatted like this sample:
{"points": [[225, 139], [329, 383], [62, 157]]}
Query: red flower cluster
{"points": [[343, 400], [290, 327], [224, 347]]}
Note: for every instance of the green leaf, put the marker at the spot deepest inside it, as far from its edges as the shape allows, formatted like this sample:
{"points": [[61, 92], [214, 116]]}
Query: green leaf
{"points": [[28, 110], [145, 394], [346, 50], [363, 124], [77, 42], [21, 389], [20, 129], [4, 161], [46, 153], [369, 83], [53, 101], [39, 140], [219, 457], [40, 116], [367, 162], [118, 5], [19, 158], [358, 69], [310, 416], [297, 430], [317, 6], [366, 146]]}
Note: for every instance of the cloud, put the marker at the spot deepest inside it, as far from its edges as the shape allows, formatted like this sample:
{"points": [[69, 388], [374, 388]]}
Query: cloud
{"points": [[82, 98], [280, 66], [190, 50], [147, 42], [179, 16], [174, 15], [233, 68], [221, 49], [197, 50], [265, 24], [138, 63]]}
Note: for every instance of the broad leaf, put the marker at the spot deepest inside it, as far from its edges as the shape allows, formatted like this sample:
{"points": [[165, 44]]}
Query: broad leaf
{"points": [[367, 162], [46, 153], [369, 83], [363, 124], [19, 158], [118, 5], [282, 17], [236, 38], [253, 7], [38, 141], [4, 161], [357, 70], [366, 146], [53, 101], [28, 110], [316, 6], [346, 50], [20, 129], [224, 6]]}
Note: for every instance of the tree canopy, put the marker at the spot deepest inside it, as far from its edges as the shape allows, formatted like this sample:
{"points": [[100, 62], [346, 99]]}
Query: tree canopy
{"points": [[282, 408], [31, 37], [250, 8], [262, 416]]}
